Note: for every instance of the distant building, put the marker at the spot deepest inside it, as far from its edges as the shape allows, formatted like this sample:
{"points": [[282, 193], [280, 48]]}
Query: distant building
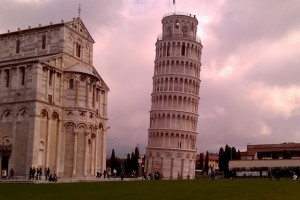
{"points": [[172, 134], [269, 155], [213, 160], [53, 102], [272, 151]]}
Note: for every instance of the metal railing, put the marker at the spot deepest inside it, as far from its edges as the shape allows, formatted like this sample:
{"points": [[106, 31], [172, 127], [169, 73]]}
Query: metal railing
{"points": [[180, 13], [175, 36]]}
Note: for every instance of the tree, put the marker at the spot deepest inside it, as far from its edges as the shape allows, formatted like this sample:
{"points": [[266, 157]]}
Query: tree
{"points": [[131, 162], [206, 167], [238, 155], [136, 158], [201, 161], [228, 156], [221, 159], [127, 165], [233, 153], [112, 161]]}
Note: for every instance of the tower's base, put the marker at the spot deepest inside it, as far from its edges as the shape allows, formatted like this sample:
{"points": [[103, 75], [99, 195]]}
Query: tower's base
{"points": [[171, 163]]}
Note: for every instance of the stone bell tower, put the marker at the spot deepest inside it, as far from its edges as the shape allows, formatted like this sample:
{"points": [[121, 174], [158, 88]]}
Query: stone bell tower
{"points": [[175, 97]]}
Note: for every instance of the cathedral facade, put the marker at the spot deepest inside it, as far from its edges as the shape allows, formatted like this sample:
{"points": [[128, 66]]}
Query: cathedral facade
{"points": [[53, 102], [172, 134]]}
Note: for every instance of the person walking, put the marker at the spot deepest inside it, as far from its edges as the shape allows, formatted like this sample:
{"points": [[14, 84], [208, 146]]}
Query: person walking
{"points": [[4, 173], [11, 173]]}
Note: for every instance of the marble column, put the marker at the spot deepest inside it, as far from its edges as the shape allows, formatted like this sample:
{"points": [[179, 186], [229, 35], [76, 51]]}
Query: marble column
{"points": [[75, 153]]}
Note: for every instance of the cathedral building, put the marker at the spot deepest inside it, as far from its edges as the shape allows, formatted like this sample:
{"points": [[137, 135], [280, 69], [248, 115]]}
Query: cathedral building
{"points": [[53, 102], [171, 149]]}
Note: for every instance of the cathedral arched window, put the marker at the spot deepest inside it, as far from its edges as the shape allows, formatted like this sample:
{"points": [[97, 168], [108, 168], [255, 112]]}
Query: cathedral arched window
{"points": [[78, 50], [71, 84]]}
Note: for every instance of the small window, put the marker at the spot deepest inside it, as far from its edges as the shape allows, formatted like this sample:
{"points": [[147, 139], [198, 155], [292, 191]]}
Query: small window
{"points": [[177, 24], [50, 98], [168, 51], [183, 50], [7, 77], [169, 31], [184, 31], [18, 46], [71, 84], [44, 42], [50, 77], [97, 95], [22, 72]]}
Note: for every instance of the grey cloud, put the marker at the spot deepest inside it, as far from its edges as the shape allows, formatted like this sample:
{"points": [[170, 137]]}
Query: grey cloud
{"points": [[245, 22], [95, 14], [276, 72]]}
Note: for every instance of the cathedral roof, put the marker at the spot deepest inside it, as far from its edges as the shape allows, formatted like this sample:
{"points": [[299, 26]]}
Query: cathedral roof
{"points": [[89, 70], [80, 68], [75, 25]]}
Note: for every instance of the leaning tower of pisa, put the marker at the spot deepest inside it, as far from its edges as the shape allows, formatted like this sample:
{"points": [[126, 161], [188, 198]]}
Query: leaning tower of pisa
{"points": [[172, 134]]}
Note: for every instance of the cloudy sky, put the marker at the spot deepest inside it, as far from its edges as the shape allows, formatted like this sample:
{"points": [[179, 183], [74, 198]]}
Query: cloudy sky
{"points": [[250, 89]]}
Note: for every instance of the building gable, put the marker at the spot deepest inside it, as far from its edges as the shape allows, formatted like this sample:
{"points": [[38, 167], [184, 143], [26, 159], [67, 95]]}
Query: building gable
{"points": [[78, 26]]}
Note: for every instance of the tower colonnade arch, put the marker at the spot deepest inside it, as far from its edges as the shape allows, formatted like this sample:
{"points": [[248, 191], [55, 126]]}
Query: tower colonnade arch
{"points": [[171, 120], [176, 84], [171, 101], [172, 140], [182, 66], [172, 48]]}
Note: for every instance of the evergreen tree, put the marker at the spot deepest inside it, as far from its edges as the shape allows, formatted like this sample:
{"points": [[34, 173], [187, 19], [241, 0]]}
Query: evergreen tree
{"points": [[136, 158], [113, 161], [233, 153], [221, 159], [201, 162], [127, 165], [238, 155], [206, 167], [228, 156]]}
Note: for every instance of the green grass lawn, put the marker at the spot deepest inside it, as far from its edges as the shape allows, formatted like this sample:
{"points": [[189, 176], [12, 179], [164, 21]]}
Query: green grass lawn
{"points": [[240, 189]]}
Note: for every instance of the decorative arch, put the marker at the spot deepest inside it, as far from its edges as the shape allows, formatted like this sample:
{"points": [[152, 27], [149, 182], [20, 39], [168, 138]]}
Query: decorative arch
{"points": [[7, 115], [23, 114], [6, 140], [44, 113], [91, 127], [101, 127], [82, 125], [55, 115], [70, 124]]}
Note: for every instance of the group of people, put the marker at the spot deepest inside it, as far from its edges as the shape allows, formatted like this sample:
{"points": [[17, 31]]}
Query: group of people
{"points": [[4, 173], [36, 174], [107, 173]]}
